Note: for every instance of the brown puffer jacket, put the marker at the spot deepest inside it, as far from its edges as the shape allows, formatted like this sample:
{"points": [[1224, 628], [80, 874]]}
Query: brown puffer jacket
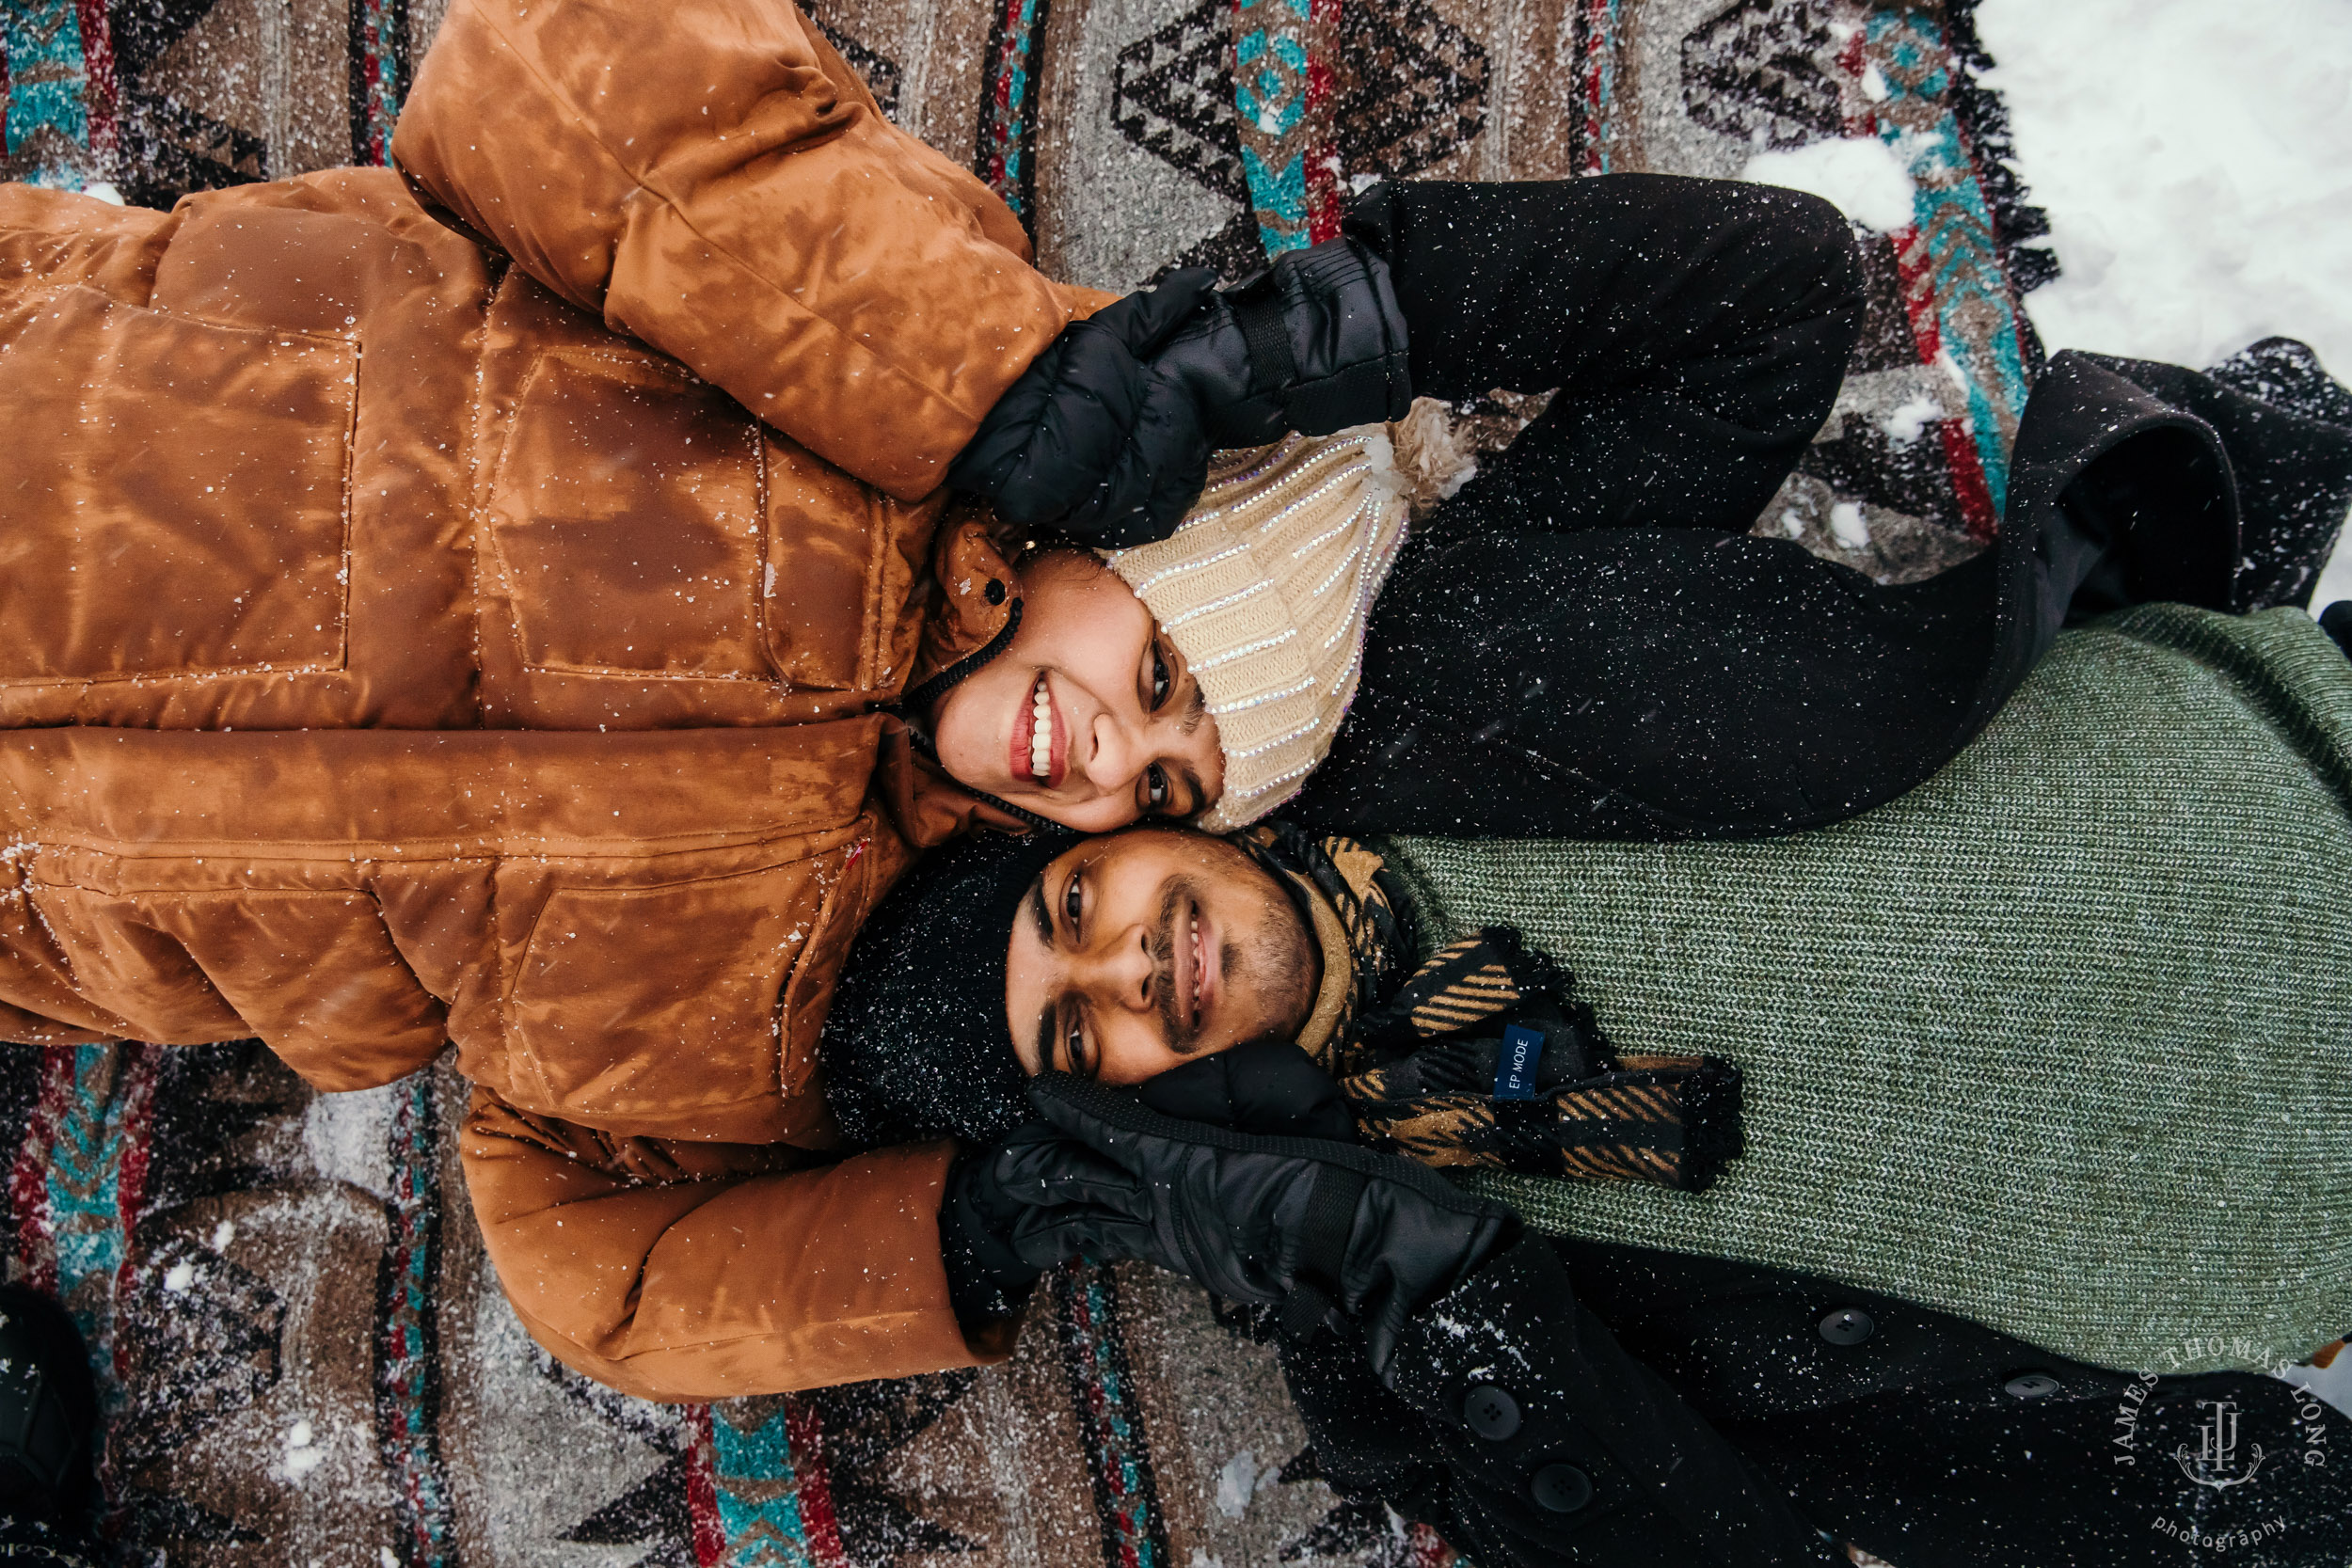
{"points": [[400, 648]]}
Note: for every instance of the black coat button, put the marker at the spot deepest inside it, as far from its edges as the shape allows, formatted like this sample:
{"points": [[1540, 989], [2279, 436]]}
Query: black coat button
{"points": [[2030, 1385], [994, 591], [1491, 1413], [1562, 1488], [1847, 1325]]}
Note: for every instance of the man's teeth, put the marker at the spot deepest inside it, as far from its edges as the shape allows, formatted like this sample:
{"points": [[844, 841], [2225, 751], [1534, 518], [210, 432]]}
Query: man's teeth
{"points": [[1042, 732], [1192, 935]]}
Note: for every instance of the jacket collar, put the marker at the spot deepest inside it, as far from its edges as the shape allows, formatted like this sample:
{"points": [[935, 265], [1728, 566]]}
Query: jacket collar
{"points": [[971, 621]]}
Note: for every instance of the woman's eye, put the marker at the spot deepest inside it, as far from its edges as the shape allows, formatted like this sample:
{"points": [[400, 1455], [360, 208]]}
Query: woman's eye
{"points": [[1155, 786], [1161, 679], [1071, 903], [1073, 1049]]}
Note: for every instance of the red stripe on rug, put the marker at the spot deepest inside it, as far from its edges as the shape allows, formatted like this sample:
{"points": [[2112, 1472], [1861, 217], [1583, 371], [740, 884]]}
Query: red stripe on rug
{"points": [[1921, 306], [1326, 202], [99, 93], [28, 1176], [1598, 41], [1426, 1549], [1968, 481], [820, 1528], [702, 1488]]}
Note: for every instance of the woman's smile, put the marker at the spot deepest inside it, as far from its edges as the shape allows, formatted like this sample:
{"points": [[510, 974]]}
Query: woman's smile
{"points": [[1041, 738]]}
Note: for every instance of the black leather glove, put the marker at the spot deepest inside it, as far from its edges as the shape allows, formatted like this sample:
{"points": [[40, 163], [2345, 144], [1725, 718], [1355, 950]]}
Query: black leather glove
{"points": [[1314, 343], [1089, 441], [1307, 1223], [1266, 1086]]}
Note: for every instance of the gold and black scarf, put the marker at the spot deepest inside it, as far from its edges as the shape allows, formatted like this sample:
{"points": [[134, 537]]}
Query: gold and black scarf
{"points": [[1484, 1054]]}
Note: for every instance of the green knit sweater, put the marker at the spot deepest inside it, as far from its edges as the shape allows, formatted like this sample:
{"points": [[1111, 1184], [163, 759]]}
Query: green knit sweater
{"points": [[2058, 1042]]}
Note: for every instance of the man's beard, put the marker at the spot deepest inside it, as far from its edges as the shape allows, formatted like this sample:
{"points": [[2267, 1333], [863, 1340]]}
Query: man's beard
{"points": [[1267, 964]]}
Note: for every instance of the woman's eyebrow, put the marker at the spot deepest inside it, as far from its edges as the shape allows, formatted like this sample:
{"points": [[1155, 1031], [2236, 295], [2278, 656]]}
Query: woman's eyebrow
{"points": [[1196, 709]]}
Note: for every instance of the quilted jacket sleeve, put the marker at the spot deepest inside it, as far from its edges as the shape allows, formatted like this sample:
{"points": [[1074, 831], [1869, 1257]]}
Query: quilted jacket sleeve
{"points": [[711, 178], [686, 1271]]}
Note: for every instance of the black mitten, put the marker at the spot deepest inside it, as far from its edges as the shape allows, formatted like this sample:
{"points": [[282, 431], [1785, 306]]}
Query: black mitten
{"points": [[987, 1278], [1314, 343], [1307, 1223], [1269, 1087], [1090, 441]]}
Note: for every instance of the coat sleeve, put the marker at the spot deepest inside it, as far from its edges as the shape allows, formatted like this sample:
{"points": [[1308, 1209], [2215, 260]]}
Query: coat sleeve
{"points": [[1588, 1456], [711, 178], [682, 1270]]}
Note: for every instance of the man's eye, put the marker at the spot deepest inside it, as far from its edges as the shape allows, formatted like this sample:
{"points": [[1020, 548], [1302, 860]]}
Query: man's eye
{"points": [[1155, 789], [1073, 1049], [1161, 680], [1070, 902]]}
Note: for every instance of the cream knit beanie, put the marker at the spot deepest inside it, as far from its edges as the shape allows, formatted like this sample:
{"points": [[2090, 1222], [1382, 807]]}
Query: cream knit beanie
{"points": [[1266, 587]]}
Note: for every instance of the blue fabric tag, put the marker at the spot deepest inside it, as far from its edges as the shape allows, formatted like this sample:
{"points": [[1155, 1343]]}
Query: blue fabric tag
{"points": [[1515, 1069]]}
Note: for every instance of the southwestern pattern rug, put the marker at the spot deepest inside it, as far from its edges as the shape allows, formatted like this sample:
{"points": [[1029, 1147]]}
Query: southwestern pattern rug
{"points": [[304, 1358]]}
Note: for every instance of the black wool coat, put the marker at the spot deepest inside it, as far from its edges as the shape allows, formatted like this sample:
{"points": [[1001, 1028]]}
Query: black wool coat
{"points": [[1587, 643], [1576, 1403]]}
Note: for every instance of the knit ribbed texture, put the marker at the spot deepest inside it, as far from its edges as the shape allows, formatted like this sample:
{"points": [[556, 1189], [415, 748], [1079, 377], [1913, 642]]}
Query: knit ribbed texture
{"points": [[1264, 588], [2058, 1042]]}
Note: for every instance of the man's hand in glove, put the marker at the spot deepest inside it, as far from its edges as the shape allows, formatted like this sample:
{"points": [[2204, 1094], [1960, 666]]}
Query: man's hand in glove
{"points": [[1307, 1223], [1107, 437]]}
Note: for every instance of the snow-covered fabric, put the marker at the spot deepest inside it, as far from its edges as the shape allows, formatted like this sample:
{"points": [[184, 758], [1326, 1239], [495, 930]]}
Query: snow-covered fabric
{"points": [[303, 1351], [2055, 1042]]}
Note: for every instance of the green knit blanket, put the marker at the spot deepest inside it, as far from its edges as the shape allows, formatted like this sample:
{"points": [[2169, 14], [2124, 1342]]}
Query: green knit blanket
{"points": [[2058, 1041]]}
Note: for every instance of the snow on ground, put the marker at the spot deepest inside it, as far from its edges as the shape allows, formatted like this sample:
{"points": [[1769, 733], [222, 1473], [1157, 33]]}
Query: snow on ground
{"points": [[2196, 160]]}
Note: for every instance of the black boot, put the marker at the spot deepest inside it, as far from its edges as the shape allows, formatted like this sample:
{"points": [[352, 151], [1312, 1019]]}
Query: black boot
{"points": [[2287, 428], [48, 1417], [2287, 375]]}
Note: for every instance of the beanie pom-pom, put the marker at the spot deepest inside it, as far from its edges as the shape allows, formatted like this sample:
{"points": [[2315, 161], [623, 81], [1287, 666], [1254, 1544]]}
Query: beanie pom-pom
{"points": [[1430, 456]]}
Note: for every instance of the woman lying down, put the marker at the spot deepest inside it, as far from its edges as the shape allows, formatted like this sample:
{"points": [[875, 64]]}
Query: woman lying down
{"points": [[1897, 1310]]}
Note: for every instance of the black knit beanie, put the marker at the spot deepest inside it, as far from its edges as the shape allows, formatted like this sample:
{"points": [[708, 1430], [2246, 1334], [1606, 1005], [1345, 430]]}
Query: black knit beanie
{"points": [[915, 1045]]}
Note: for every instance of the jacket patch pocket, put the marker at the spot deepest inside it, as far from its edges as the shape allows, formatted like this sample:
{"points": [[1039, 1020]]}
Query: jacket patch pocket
{"points": [[626, 517], [818, 593], [657, 1000], [175, 496]]}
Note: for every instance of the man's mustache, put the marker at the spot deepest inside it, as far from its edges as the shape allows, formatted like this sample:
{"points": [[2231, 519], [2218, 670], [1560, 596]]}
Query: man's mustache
{"points": [[1180, 1037]]}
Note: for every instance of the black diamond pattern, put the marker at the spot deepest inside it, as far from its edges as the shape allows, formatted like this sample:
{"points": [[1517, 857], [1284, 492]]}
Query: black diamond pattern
{"points": [[1173, 95], [1412, 88], [1754, 72]]}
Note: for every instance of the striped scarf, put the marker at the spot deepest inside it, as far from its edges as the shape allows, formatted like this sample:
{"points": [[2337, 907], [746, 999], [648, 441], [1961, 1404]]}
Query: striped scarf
{"points": [[1422, 1063]]}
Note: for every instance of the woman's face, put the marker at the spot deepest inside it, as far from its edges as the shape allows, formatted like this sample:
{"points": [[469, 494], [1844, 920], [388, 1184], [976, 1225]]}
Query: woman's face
{"points": [[1090, 718]]}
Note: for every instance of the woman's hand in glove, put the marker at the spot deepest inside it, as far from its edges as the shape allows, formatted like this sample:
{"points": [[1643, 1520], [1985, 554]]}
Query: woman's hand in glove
{"points": [[1307, 1223], [1107, 437], [1090, 441]]}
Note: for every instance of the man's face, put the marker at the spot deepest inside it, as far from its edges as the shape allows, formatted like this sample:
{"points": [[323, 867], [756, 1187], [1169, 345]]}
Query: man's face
{"points": [[1125, 732], [1135, 952]]}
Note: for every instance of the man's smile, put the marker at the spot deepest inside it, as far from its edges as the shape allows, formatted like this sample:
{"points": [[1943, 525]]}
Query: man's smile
{"points": [[1188, 967]]}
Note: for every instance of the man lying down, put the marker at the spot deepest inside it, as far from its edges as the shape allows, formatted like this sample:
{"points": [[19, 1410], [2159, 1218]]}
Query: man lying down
{"points": [[2037, 1067]]}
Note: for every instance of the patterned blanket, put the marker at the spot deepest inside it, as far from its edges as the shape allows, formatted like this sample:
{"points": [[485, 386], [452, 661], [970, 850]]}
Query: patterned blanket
{"points": [[303, 1356]]}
